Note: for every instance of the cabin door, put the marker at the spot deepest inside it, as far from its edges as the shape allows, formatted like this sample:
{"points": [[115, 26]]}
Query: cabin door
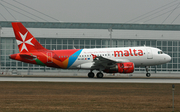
{"points": [[149, 54]]}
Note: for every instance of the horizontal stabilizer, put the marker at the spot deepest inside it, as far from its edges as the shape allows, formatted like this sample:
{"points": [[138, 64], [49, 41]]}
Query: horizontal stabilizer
{"points": [[31, 57]]}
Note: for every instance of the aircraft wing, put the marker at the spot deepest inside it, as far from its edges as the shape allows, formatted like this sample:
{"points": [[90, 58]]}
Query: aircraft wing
{"points": [[102, 62]]}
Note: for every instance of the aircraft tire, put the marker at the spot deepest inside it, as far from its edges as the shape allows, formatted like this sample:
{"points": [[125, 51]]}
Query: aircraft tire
{"points": [[91, 75], [148, 74], [99, 75]]}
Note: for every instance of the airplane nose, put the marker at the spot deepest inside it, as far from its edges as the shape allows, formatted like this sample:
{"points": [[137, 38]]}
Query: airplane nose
{"points": [[168, 58]]}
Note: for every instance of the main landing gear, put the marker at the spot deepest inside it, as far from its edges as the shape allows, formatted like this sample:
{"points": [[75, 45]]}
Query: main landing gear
{"points": [[91, 74], [98, 75], [147, 74]]}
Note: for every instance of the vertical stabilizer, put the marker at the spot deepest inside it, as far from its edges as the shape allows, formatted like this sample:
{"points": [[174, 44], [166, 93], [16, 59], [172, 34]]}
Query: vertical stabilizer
{"points": [[25, 40]]}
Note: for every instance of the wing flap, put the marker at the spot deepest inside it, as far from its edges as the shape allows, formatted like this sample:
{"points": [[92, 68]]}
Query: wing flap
{"points": [[102, 62]]}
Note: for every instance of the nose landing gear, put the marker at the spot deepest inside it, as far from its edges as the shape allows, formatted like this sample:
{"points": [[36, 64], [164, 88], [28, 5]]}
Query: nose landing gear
{"points": [[147, 74]]}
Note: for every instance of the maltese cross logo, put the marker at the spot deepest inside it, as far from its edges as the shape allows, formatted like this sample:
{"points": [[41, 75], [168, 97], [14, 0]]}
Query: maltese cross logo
{"points": [[24, 42]]}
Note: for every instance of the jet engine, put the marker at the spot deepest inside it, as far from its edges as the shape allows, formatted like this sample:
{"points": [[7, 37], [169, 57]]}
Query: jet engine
{"points": [[126, 67]]}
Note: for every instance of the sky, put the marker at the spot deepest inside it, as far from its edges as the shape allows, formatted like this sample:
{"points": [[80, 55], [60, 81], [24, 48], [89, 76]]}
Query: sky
{"points": [[92, 11]]}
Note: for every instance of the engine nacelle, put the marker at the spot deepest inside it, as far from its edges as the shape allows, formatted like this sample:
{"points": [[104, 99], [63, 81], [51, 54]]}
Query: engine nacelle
{"points": [[126, 67]]}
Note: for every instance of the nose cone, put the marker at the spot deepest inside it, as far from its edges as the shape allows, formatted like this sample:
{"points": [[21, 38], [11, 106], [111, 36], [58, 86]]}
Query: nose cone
{"points": [[168, 58]]}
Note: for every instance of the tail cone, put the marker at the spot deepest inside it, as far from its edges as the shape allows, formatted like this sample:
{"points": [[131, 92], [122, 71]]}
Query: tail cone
{"points": [[13, 56]]}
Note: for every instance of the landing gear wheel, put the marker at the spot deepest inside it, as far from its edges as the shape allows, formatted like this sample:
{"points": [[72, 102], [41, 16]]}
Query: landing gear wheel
{"points": [[91, 75], [99, 75], [148, 74]]}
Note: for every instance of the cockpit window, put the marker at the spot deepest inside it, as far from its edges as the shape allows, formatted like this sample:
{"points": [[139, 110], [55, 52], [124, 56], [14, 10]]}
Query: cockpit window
{"points": [[160, 52]]}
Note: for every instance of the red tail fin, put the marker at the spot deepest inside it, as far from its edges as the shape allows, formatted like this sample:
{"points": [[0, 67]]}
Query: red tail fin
{"points": [[25, 40]]}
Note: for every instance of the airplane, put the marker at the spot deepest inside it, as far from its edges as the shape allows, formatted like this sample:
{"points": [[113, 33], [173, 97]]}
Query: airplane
{"points": [[104, 60]]}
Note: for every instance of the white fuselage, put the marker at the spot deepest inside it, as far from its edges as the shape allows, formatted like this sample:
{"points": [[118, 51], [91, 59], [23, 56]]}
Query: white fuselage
{"points": [[140, 56]]}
